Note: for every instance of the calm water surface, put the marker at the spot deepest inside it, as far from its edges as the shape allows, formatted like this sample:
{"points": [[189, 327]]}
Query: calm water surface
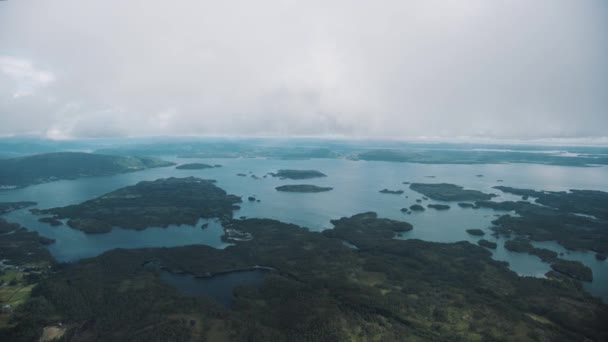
{"points": [[356, 185]]}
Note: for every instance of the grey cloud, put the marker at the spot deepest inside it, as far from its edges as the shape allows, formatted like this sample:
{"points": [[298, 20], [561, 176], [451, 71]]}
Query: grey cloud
{"points": [[400, 69]]}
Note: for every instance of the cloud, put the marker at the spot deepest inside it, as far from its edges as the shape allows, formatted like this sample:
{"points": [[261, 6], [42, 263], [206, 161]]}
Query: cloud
{"points": [[24, 75], [398, 69]]}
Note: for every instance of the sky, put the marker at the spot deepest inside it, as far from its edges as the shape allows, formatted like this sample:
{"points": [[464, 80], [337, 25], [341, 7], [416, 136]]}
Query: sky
{"points": [[504, 69]]}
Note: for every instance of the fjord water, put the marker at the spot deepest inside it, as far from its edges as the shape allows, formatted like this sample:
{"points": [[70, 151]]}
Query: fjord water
{"points": [[356, 189]]}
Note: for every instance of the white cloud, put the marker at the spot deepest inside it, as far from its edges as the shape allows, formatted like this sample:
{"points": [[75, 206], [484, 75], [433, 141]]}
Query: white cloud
{"points": [[26, 77], [385, 68]]}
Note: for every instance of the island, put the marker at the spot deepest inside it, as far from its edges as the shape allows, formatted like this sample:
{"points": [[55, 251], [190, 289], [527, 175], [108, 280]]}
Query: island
{"points": [[298, 174], [42, 168], [487, 244], [575, 219], [303, 188], [476, 232], [316, 288], [466, 205], [156, 203], [416, 207], [194, 166], [449, 192], [392, 192], [439, 206]]}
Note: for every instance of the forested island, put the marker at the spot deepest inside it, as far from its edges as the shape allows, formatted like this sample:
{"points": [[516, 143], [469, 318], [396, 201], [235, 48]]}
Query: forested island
{"points": [[156, 203], [298, 174], [321, 290], [392, 192], [303, 188], [449, 192], [194, 166], [42, 168]]}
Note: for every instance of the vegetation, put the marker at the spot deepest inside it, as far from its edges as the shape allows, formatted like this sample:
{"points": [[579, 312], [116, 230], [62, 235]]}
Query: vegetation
{"points": [[523, 245], [573, 269], [387, 289], [543, 223], [589, 202], [449, 192], [18, 246], [487, 244], [392, 192], [439, 206], [194, 166], [464, 156], [298, 174], [157, 203], [476, 232], [48, 167], [303, 188], [416, 207]]}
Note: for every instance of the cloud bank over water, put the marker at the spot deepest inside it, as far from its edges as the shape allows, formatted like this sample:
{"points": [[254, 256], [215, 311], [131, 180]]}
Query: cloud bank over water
{"points": [[392, 69]]}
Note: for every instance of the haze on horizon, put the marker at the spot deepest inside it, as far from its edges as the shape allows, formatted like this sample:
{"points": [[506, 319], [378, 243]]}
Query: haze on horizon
{"points": [[392, 69]]}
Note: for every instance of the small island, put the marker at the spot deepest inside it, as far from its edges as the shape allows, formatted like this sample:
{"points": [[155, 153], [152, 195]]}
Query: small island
{"points": [[416, 207], [466, 205], [392, 192], [298, 174], [194, 166], [487, 244], [476, 232], [439, 206], [449, 192], [303, 188]]}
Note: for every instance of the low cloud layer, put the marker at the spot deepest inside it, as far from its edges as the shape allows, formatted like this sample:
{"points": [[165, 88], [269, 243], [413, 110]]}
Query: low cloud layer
{"points": [[398, 69]]}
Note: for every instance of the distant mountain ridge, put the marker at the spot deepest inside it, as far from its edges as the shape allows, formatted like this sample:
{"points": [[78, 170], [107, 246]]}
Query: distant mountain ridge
{"points": [[47, 167]]}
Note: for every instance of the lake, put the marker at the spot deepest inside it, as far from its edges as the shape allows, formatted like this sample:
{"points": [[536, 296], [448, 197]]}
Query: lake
{"points": [[356, 189], [219, 287]]}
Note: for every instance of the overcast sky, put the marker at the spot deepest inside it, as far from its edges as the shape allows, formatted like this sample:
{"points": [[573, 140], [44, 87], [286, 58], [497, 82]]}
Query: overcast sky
{"points": [[394, 69]]}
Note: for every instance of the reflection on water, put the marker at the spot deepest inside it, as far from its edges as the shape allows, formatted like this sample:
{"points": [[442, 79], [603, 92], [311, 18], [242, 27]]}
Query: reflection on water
{"points": [[356, 185]]}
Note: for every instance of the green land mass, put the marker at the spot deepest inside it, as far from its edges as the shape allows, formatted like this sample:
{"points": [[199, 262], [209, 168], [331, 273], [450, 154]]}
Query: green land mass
{"points": [[439, 206], [298, 174], [487, 244], [557, 217], [476, 232], [194, 166], [303, 188], [449, 192], [41, 168], [451, 156], [589, 202], [321, 290], [392, 192], [573, 269], [416, 207], [156, 203]]}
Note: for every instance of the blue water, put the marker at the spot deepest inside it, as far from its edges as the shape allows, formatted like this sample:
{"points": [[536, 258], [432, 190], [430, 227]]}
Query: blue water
{"points": [[219, 287], [356, 185]]}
